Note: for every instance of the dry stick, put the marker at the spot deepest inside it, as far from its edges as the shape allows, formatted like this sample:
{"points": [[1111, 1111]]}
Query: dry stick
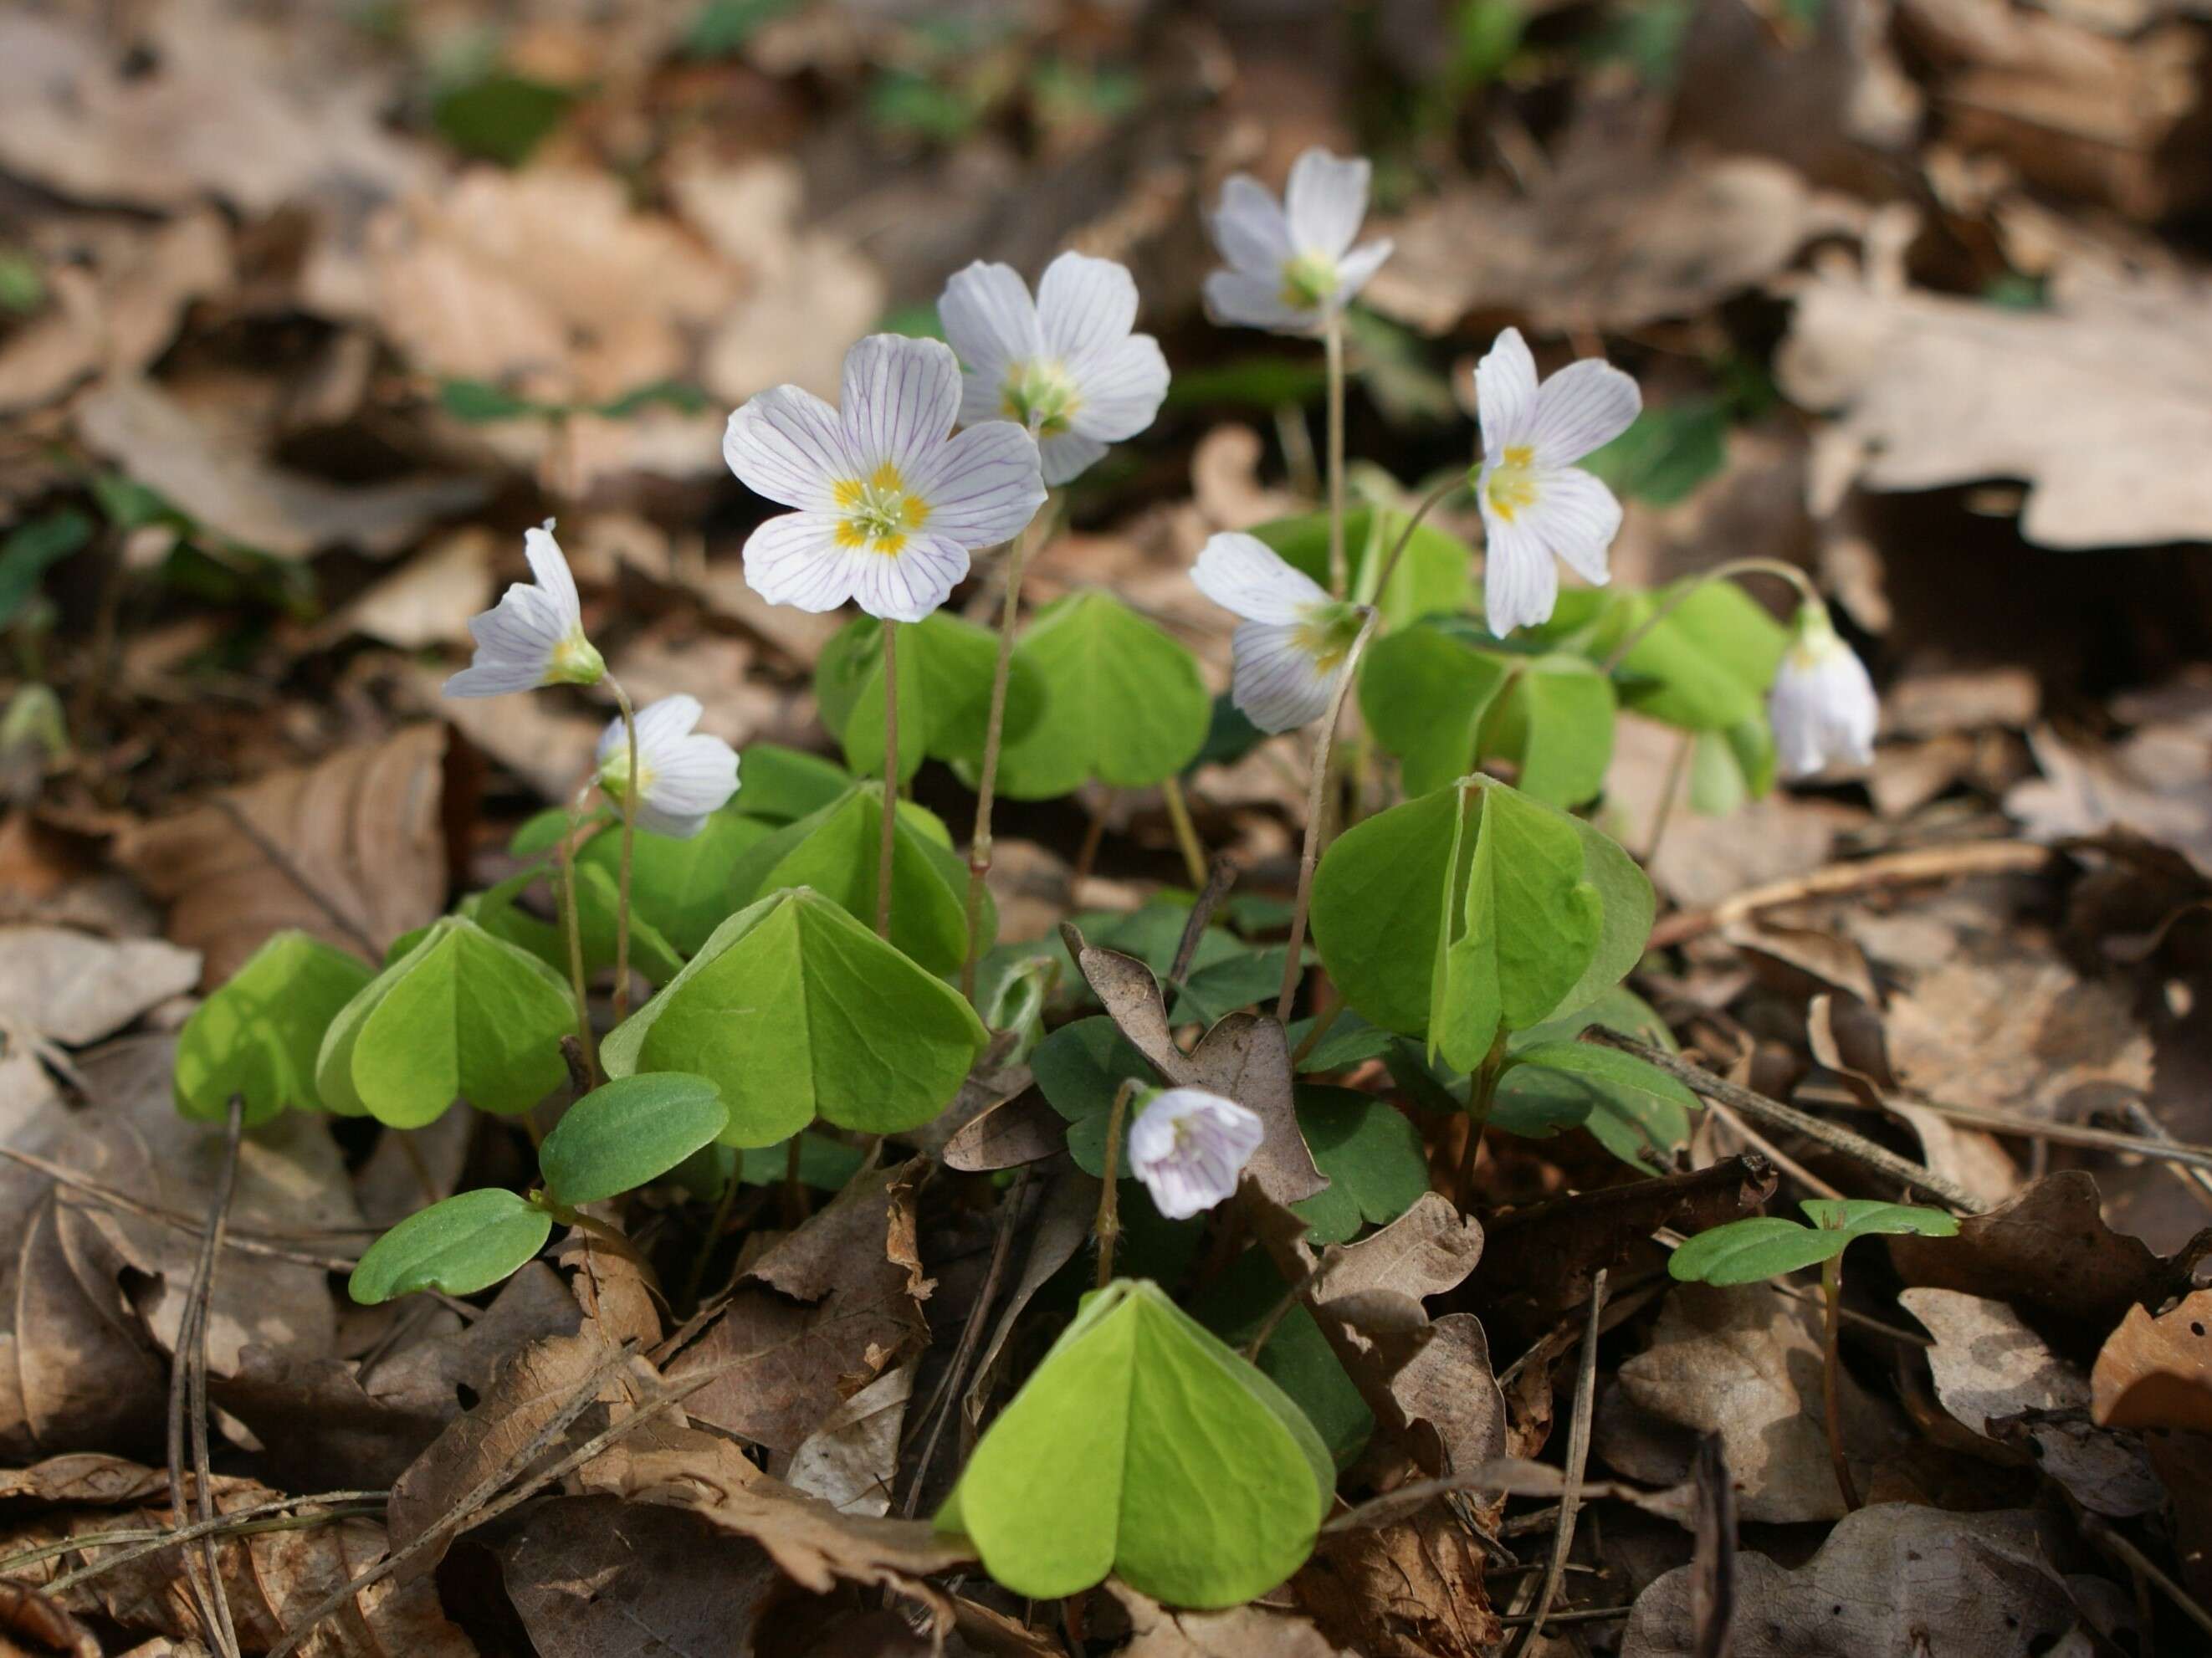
{"points": [[289, 868], [1333, 352], [885, 839], [1316, 794], [1186, 832], [1789, 1165], [1835, 880], [466, 1510], [2189, 1171], [994, 731], [629, 838], [236, 1522], [1570, 1495], [2097, 1531], [124, 1201], [1109, 1213], [188, 1390], [1856, 1147], [1832, 1363], [1211, 892], [697, 1279]]}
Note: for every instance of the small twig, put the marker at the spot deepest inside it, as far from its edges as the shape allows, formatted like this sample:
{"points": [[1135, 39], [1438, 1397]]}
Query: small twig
{"points": [[1788, 1164], [2097, 1531], [1856, 1147], [697, 1279], [188, 1396], [287, 866], [1571, 1496], [1832, 1383], [1834, 880], [144, 1541], [1573, 1615], [1281, 1310], [129, 1205], [1109, 1212], [1217, 884], [1667, 791]]}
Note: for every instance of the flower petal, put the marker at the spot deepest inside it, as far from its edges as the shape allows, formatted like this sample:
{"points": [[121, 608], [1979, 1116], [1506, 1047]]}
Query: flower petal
{"points": [[1236, 299], [797, 559], [1577, 517], [1274, 679], [1250, 228], [990, 318], [1824, 710], [900, 399], [788, 446], [1069, 457], [550, 569], [1520, 583], [983, 486], [515, 641], [908, 584], [1242, 574], [1084, 305], [1353, 270], [1585, 406], [494, 678], [693, 778], [660, 727], [1119, 389], [1505, 394], [1326, 200]]}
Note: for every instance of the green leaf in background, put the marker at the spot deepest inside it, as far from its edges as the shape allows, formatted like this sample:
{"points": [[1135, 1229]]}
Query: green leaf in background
{"points": [[479, 402], [258, 1036], [462, 1015], [1636, 1111], [1729, 768], [837, 852], [1666, 453], [1372, 1154], [31, 549], [682, 396], [1555, 722], [825, 1165], [1626, 906], [797, 1010], [467, 1243], [945, 669], [1425, 692], [779, 784], [1706, 665], [1122, 702], [1432, 579], [723, 26], [498, 911], [1078, 1069], [682, 887], [1297, 1358], [629, 1133], [1142, 1447], [1350, 1041], [1378, 908], [500, 117], [1261, 381], [1520, 932], [1229, 736], [1767, 1246]]}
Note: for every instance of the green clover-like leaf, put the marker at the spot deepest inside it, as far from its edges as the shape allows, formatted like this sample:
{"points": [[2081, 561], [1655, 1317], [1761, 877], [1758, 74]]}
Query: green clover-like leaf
{"points": [[1122, 703], [468, 1242], [629, 1133], [258, 1036]]}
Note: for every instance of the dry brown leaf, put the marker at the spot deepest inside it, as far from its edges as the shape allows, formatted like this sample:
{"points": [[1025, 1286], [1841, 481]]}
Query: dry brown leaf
{"points": [[2001, 1378], [75, 989], [1745, 1363], [1159, 1631], [2151, 783], [849, 1461], [1890, 1579], [427, 601], [2156, 1372], [1928, 390], [1604, 245], [362, 827], [1411, 1591], [26, 1617], [158, 442], [819, 1316]]}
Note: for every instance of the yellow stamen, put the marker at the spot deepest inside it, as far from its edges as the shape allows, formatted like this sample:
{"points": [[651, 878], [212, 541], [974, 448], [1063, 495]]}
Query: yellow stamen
{"points": [[879, 513], [1512, 486]]}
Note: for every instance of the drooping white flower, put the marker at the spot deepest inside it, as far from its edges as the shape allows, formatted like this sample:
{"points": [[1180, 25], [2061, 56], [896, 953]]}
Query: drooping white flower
{"points": [[1823, 705], [1189, 1147], [1292, 645], [1066, 365], [1292, 264], [889, 504], [1537, 505], [535, 634], [683, 776]]}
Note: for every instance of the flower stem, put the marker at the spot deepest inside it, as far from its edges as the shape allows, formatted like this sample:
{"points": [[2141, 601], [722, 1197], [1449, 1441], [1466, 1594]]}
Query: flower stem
{"points": [[715, 1227], [1316, 798], [1428, 504], [628, 840], [886, 842], [1186, 832], [1832, 1289], [1333, 348], [572, 925], [1109, 1210], [987, 784], [1735, 567], [1481, 1100]]}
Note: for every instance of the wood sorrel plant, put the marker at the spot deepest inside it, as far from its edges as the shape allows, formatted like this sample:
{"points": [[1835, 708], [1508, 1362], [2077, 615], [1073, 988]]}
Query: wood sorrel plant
{"points": [[803, 933]]}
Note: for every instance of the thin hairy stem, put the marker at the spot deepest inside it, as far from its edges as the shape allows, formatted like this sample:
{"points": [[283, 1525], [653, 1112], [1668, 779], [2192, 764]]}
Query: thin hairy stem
{"points": [[1109, 1209], [986, 783], [1333, 348], [1735, 567], [1186, 832], [571, 924], [886, 840], [1428, 504], [1832, 1407], [1316, 796], [629, 837]]}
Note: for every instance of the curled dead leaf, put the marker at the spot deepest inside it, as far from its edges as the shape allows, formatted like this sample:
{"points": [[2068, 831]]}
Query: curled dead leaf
{"points": [[2156, 1372]]}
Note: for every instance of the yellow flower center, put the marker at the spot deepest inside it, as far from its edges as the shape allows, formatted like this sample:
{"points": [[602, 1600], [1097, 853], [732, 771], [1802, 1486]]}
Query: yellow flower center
{"points": [[1512, 486], [879, 511], [1308, 282], [1040, 393], [1326, 633], [575, 662]]}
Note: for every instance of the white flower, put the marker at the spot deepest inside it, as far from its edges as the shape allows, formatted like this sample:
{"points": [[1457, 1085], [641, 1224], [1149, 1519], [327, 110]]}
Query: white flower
{"points": [[1823, 705], [683, 777], [1537, 504], [535, 634], [1290, 647], [1065, 367], [1292, 264], [889, 504], [1189, 1147]]}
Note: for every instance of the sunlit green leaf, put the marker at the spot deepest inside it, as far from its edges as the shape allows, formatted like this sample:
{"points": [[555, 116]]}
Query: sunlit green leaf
{"points": [[627, 1133], [1122, 702], [258, 1036], [466, 1243]]}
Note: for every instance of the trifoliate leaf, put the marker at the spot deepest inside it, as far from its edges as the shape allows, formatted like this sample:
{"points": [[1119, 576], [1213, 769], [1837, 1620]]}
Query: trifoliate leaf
{"points": [[462, 1015], [1297, 1358], [1425, 692], [258, 1036], [681, 887], [1141, 1446], [1122, 703], [1078, 1069], [498, 911], [1372, 1154], [1707, 664], [945, 669], [795, 1010], [629, 1133], [1767, 1246], [1636, 1111], [779, 784], [1378, 908], [466, 1243]]}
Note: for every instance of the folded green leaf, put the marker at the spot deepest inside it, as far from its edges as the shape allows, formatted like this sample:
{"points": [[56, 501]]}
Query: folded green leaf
{"points": [[1636, 1111], [258, 1036]]}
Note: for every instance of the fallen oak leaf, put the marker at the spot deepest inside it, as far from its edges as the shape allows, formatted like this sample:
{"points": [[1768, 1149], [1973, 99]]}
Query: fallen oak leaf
{"points": [[2156, 1371], [74, 988]]}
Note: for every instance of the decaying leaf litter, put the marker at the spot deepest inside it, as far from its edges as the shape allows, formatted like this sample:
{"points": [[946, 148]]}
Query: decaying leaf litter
{"points": [[306, 317]]}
